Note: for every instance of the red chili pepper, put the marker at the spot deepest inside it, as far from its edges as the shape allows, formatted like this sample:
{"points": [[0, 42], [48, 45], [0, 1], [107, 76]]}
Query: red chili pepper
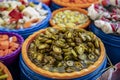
{"points": [[15, 14], [113, 27], [12, 19], [105, 2], [23, 2], [3, 9]]}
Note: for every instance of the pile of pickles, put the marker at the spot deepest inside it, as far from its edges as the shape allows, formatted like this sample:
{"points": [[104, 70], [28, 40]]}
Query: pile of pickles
{"points": [[64, 50], [3, 76], [69, 18]]}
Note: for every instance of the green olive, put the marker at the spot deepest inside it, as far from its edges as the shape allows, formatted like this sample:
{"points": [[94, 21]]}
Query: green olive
{"points": [[43, 46], [96, 43], [57, 49], [91, 56], [82, 57], [21, 7], [31, 4], [39, 57], [70, 63]]}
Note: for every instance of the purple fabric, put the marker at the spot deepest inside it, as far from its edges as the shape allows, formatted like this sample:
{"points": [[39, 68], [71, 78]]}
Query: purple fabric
{"points": [[8, 59], [111, 74], [1, 0], [116, 73]]}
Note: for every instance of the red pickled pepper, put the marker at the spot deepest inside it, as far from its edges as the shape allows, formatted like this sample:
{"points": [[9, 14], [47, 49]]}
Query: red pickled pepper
{"points": [[105, 2], [15, 14], [3, 9], [23, 2]]}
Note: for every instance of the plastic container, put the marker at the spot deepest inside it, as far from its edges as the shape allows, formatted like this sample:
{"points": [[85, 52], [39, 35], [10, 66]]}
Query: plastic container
{"points": [[111, 42], [28, 74], [47, 2], [28, 31], [56, 4], [6, 71], [85, 25], [38, 73], [9, 59]]}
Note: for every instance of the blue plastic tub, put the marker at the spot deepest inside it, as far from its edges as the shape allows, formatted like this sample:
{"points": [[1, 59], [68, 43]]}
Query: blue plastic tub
{"points": [[55, 6], [111, 42], [28, 74], [25, 35], [28, 31], [34, 1]]}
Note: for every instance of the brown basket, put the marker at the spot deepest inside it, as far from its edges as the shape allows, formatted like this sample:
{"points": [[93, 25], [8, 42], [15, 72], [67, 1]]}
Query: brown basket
{"points": [[6, 71], [85, 5], [74, 9], [56, 75]]}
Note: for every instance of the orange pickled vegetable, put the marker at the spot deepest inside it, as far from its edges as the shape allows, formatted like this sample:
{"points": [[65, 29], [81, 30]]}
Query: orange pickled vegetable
{"points": [[6, 52], [66, 1], [35, 20], [10, 51], [0, 36], [1, 53], [7, 46], [17, 27], [85, 1], [78, 1], [4, 44], [3, 37], [27, 24], [14, 39], [14, 46], [91, 1]]}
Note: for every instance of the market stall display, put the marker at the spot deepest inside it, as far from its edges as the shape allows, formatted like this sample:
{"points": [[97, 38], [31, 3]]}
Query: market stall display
{"points": [[72, 17], [83, 42], [4, 73], [56, 4], [64, 51], [20, 16], [111, 43], [107, 27], [42, 39], [107, 19], [10, 47], [23, 18]]}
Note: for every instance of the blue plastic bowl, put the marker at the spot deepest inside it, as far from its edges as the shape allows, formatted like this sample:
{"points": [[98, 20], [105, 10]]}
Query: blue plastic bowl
{"points": [[28, 74], [111, 42], [28, 31]]}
